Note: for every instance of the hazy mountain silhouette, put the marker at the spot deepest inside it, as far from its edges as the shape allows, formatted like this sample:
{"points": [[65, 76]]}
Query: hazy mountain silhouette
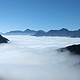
{"points": [[29, 32], [40, 33], [18, 32], [61, 32]]}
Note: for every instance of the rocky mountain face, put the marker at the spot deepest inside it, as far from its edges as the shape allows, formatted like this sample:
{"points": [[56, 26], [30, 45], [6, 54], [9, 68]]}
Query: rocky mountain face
{"points": [[3, 40], [74, 49]]}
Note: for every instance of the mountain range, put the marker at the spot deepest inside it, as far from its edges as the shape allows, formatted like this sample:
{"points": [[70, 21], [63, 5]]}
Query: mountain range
{"points": [[61, 32], [18, 32]]}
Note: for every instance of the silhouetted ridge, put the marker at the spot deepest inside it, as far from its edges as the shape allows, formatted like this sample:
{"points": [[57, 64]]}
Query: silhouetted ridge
{"points": [[40, 33], [18, 32], [75, 49], [3, 40], [78, 29], [62, 32], [29, 32], [64, 29]]}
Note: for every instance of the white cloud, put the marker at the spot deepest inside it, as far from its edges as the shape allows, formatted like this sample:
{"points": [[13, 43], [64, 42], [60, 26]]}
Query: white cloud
{"points": [[36, 58]]}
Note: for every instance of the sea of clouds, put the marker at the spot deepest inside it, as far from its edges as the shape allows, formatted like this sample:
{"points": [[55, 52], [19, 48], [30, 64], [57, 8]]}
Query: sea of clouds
{"points": [[37, 58]]}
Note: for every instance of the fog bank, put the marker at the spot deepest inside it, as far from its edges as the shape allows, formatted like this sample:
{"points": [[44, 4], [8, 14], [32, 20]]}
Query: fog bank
{"points": [[36, 58]]}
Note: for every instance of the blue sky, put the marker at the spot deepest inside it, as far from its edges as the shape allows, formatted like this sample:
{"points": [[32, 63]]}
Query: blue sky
{"points": [[39, 14]]}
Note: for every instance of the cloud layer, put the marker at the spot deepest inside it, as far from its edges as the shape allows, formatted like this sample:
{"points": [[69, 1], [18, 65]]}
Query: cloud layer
{"points": [[36, 58]]}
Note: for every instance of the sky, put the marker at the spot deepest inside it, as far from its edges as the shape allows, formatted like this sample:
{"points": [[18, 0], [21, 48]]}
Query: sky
{"points": [[39, 14]]}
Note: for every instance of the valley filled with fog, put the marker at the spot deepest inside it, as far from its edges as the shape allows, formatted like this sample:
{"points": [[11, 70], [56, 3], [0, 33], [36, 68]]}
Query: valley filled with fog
{"points": [[37, 58]]}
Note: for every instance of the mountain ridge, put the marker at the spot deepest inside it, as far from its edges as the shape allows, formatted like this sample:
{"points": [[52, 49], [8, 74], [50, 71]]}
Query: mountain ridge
{"points": [[3, 39], [19, 32], [62, 32]]}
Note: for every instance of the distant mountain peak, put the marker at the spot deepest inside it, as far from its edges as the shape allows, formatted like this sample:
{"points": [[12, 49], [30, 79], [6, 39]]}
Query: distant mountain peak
{"points": [[27, 30], [78, 29], [40, 33], [64, 29], [18, 32]]}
